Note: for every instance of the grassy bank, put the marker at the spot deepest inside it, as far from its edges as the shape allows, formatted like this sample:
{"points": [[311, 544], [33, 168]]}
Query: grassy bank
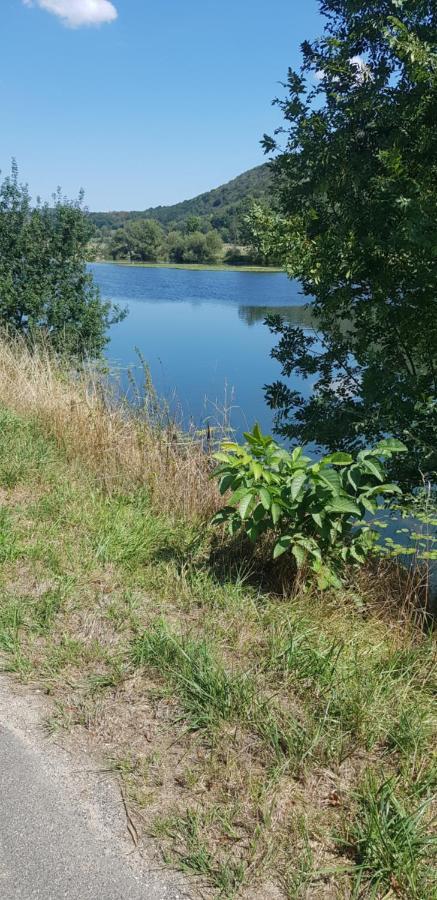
{"points": [[194, 267], [276, 743]]}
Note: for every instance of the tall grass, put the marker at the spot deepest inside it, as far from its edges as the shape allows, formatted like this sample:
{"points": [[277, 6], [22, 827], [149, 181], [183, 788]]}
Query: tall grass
{"points": [[279, 745], [126, 446]]}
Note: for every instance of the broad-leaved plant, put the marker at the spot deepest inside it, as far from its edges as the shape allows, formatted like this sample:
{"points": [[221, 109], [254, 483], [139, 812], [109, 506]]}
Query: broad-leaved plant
{"points": [[315, 510]]}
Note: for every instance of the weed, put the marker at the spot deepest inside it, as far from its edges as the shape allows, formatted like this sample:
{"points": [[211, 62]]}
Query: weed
{"points": [[410, 733], [315, 510], [9, 547], [128, 534], [46, 608], [11, 621], [186, 832], [391, 843], [208, 692], [295, 648]]}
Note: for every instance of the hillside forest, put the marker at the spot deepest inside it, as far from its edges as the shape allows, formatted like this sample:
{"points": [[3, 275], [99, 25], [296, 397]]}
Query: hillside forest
{"points": [[210, 228]]}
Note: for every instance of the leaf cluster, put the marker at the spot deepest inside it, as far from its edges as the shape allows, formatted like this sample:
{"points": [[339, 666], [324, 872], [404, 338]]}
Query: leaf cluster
{"points": [[316, 510], [356, 171]]}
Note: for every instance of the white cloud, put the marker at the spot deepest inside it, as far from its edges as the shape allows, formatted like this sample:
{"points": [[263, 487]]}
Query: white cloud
{"points": [[363, 71], [75, 13]]}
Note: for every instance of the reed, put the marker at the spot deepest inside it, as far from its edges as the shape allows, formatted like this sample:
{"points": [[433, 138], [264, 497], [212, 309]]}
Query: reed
{"points": [[126, 445]]}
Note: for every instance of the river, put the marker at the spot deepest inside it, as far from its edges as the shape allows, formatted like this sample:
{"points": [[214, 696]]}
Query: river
{"points": [[203, 335]]}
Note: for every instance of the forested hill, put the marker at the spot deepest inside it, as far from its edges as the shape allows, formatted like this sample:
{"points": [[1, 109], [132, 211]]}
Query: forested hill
{"points": [[221, 208]]}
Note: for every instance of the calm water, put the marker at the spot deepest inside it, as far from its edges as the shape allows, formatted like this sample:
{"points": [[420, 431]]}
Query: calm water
{"points": [[202, 334]]}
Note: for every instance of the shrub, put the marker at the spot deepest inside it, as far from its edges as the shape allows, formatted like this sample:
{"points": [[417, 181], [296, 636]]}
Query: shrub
{"points": [[316, 510], [45, 288]]}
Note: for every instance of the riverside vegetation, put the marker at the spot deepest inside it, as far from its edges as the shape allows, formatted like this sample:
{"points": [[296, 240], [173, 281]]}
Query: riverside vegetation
{"points": [[272, 720], [355, 166], [276, 740]]}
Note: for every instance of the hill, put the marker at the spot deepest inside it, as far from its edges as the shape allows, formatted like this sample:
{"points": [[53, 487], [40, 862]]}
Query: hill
{"points": [[221, 208]]}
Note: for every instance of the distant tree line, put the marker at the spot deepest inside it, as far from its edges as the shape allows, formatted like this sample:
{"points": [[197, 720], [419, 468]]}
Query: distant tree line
{"points": [[222, 209], [144, 240], [210, 228], [191, 241]]}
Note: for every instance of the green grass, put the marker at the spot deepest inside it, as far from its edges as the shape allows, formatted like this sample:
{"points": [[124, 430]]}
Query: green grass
{"points": [[26, 455], [392, 842], [9, 546], [240, 721], [11, 620], [194, 857], [209, 693]]}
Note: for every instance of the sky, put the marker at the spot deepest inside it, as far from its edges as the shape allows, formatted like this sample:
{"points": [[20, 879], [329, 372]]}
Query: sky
{"points": [[142, 102]]}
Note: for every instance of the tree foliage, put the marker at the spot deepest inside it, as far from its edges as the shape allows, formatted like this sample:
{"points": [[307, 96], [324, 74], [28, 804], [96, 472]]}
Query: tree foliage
{"points": [[144, 240], [222, 209], [356, 173], [194, 246], [140, 240], [44, 283]]}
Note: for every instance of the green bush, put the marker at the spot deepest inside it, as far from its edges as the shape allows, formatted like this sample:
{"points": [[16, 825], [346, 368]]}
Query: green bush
{"points": [[315, 510], [45, 287]]}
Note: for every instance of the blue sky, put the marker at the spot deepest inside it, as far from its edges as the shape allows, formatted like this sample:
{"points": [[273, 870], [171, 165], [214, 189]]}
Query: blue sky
{"points": [[159, 102]]}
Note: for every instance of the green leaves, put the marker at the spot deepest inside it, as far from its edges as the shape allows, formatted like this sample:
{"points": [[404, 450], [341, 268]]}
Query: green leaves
{"points": [[313, 510], [265, 498], [45, 287], [299, 555], [355, 224], [284, 544], [339, 459], [226, 482], [343, 505], [276, 513], [297, 484], [244, 505], [389, 446]]}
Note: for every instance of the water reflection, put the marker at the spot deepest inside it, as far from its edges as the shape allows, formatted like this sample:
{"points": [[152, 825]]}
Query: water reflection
{"points": [[203, 335], [295, 315]]}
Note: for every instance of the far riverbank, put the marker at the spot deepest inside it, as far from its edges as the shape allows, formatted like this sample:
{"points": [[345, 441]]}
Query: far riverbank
{"points": [[193, 267]]}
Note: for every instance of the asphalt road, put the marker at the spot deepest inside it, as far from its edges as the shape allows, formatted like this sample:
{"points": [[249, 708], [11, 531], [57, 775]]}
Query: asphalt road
{"points": [[53, 846]]}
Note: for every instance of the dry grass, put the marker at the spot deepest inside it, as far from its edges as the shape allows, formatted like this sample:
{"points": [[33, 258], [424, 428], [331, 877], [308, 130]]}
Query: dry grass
{"points": [[124, 447], [277, 744]]}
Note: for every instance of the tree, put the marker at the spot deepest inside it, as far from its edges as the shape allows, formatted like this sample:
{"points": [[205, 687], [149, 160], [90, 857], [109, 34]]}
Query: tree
{"points": [[119, 246], [195, 247], [192, 224], [175, 245], [44, 283], [214, 245], [140, 239], [144, 238], [357, 191]]}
